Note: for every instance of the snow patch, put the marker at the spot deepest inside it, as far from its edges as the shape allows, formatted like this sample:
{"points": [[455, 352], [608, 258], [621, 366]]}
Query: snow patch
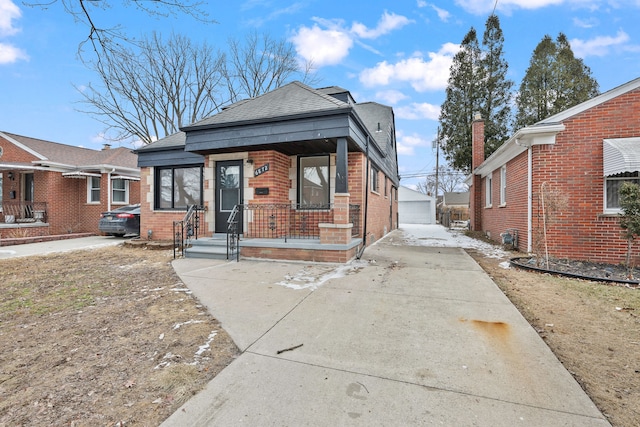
{"points": [[305, 279], [188, 322]]}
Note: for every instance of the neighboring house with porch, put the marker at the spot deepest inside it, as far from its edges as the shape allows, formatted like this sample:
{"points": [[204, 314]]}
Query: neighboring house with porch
{"points": [[47, 188], [563, 172], [311, 174]]}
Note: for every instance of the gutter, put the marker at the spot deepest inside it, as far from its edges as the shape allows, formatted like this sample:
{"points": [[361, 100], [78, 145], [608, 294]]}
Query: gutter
{"points": [[366, 203]]}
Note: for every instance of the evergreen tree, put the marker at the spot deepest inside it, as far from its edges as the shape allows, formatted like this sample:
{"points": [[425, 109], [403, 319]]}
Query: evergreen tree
{"points": [[496, 97], [477, 83], [462, 101], [555, 80]]}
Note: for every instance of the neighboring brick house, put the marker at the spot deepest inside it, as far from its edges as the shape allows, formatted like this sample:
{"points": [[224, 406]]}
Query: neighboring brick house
{"points": [[575, 161], [48, 188], [310, 170]]}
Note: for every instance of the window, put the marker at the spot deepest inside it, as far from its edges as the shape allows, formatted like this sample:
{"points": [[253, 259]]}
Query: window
{"points": [[503, 185], [386, 185], [120, 191], [313, 181], [93, 189], [488, 200], [374, 179], [612, 189], [178, 187], [0, 186]]}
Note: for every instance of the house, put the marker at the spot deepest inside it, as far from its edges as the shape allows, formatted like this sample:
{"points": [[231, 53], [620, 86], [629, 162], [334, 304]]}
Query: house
{"points": [[415, 207], [310, 173], [47, 188], [556, 182]]}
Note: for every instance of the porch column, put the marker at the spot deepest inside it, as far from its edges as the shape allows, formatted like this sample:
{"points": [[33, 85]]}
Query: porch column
{"points": [[338, 232], [342, 160]]}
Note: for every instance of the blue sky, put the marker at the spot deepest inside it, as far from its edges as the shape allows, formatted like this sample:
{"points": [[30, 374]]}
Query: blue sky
{"points": [[396, 53]]}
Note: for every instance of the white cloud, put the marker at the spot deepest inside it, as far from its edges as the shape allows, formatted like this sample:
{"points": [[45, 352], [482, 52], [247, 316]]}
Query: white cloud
{"points": [[386, 24], [322, 47], [598, 46], [585, 23], [422, 3], [8, 13], [10, 54], [481, 7], [418, 111], [407, 143], [328, 42], [422, 74], [444, 15], [391, 96]]}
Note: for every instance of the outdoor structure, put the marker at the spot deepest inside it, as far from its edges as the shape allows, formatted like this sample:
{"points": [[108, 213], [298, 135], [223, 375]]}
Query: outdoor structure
{"points": [[415, 207], [310, 174], [553, 186], [454, 208], [47, 188]]}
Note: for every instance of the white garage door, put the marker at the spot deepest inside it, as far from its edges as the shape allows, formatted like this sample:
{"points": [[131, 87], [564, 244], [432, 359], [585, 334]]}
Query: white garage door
{"points": [[415, 212]]}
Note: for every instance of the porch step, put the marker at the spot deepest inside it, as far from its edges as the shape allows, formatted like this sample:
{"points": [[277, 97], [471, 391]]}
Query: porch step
{"points": [[209, 248]]}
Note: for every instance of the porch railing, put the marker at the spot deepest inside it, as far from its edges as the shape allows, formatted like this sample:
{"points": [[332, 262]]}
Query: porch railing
{"points": [[24, 212], [285, 221], [186, 229]]}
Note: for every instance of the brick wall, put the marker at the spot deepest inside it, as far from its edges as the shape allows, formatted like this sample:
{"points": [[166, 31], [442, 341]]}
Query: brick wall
{"points": [[572, 169]]}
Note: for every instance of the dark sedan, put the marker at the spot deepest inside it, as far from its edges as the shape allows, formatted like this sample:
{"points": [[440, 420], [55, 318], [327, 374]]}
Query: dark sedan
{"points": [[120, 222]]}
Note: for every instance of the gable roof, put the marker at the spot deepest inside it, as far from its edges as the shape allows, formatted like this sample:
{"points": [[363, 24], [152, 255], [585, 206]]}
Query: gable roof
{"points": [[293, 99], [64, 157], [544, 131]]}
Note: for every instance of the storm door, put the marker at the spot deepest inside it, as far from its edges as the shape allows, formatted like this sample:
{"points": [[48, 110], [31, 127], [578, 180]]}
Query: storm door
{"points": [[228, 193]]}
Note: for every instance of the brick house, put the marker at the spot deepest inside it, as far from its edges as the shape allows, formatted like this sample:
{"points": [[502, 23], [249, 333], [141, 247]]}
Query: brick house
{"points": [[313, 174], [47, 188], [565, 172]]}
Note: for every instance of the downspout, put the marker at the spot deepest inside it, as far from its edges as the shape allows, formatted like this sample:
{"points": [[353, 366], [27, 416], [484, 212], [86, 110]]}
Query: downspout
{"points": [[366, 203], [109, 189], [529, 198]]}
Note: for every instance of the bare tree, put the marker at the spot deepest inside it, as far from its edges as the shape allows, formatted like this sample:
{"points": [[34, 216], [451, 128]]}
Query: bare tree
{"points": [[261, 63], [103, 38], [152, 91], [448, 182]]}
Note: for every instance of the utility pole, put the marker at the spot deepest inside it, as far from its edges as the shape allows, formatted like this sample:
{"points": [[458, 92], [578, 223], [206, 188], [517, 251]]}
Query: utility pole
{"points": [[437, 162]]}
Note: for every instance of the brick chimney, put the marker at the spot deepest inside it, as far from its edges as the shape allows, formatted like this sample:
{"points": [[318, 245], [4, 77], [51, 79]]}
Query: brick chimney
{"points": [[477, 157], [106, 147]]}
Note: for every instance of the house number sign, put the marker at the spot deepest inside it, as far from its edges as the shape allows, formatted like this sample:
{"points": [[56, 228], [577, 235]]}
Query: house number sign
{"points": [[262, 169]]}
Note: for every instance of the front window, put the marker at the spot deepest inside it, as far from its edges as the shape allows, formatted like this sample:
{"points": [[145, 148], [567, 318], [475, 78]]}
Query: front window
{"points": [[313, 181], [0, 191], [612, 189], [120, 191], [178, 187], [93, 189]]}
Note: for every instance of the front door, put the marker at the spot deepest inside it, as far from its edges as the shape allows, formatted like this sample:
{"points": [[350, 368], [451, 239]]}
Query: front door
{"points": [[228, 193]]}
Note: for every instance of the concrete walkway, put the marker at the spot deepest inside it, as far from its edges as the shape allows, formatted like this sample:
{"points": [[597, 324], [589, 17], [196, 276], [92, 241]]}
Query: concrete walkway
{"points": [[44, 248], [407, 336]]}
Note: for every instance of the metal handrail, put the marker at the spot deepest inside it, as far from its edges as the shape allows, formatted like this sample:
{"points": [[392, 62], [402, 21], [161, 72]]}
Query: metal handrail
{"points": [[186, 229], [232, 233]]}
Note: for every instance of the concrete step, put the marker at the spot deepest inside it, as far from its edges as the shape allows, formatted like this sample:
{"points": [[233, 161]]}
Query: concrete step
{"points": [[214, 247]]}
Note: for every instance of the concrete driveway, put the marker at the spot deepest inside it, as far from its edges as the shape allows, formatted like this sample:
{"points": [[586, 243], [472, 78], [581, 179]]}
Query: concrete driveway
{"points": [[408, 335]]}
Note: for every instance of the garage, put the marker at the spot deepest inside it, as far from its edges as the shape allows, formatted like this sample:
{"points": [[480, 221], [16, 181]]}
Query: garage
{"points": [[415, 207]]}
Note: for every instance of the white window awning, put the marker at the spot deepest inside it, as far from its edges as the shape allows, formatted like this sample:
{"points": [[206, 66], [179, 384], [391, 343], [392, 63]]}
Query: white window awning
{"points": [[80, 174], [621, 155], [125, 177]]}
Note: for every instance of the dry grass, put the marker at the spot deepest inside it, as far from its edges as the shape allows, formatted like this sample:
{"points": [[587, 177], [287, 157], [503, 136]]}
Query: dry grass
{"points": [[101, 337]]}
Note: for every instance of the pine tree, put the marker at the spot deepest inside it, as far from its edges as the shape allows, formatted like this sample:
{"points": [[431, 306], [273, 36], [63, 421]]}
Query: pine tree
{"points": [[496, 97], [555, 80], [462, 101], [477, 83]]}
